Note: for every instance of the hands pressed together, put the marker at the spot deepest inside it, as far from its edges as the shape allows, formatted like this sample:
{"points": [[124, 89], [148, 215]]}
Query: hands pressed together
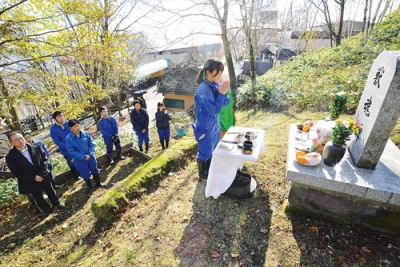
{"points": [[224, 86]]}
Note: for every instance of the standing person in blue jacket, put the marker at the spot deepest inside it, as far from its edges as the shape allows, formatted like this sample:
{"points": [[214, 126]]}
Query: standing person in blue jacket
{"points": [[140, 122], [163, 117], [58, 132], [109, 129], [29, 140], [80, 146], [209, 98]]}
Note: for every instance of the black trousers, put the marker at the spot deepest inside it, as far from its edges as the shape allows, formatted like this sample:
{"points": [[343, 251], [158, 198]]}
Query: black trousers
{"points": [[50, 192]]}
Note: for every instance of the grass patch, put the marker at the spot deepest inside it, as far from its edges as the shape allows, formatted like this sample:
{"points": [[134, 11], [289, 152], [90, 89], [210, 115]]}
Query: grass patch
{"points": [[173, 224]]}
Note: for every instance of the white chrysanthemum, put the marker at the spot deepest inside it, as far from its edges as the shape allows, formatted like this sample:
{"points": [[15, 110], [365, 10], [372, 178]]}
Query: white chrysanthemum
{"points": [[346, 123]]}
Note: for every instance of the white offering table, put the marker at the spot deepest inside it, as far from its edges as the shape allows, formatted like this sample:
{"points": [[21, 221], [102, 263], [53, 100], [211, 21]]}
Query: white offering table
{"points": [[225, 163]]}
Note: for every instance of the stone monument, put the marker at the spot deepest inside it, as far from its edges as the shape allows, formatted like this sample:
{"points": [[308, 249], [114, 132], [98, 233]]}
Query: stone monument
{"points": [[378, 110], [364, 187]]}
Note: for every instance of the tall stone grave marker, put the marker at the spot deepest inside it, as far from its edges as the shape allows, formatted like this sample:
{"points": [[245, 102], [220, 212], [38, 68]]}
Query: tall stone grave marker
{"points": [[378, 110]]}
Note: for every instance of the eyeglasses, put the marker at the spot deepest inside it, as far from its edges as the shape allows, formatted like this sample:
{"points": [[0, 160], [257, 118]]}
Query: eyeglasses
{"points": [[17, 139]]}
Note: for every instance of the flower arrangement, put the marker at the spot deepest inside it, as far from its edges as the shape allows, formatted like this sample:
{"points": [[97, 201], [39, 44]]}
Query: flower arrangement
{"points": [[338, 104], [344, 129]]}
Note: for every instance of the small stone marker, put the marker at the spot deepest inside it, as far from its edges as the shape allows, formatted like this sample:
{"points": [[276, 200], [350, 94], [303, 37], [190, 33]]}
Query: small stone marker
{"points": [[378, 110]]}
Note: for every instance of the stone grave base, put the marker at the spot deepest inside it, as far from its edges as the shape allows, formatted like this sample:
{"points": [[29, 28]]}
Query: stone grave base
{"points": [[346, 193]]}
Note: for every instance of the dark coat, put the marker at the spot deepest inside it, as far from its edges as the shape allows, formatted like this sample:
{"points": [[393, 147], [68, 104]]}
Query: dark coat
{"points": [[162, 119], [25, 172], [140, 120]]}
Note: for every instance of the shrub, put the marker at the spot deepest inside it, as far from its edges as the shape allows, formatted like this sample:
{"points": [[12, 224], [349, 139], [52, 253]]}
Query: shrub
{"points": [[308, 80], [8, 192]]}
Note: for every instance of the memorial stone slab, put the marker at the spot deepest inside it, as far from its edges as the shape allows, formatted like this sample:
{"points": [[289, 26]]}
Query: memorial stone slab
{"points": [[377, 111]]}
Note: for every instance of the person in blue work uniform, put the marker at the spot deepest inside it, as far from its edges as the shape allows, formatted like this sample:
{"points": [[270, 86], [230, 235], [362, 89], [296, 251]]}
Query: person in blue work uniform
{"points": [[109, 129], [80, 146], [209, 98], [58, 132], [29, 140], [140, 122], [163, 117]]}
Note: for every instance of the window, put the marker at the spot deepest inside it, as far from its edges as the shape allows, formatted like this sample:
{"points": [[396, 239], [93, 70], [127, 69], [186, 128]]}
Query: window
{"points": [[174, 103]]}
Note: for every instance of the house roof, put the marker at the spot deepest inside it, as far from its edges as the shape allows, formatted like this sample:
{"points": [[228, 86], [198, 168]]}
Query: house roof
{"points": [[284, 54], [151, 68], [261, 67], [181, 81]]}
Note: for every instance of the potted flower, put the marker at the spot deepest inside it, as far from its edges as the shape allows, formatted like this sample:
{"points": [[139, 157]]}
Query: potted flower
{"points": [[341, 133], [338, 105], [181, 121]]}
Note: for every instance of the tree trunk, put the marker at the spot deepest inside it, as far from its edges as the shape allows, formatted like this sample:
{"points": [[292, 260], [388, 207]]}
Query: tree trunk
{"points": [[95, 114], [365, 16], [13, 120], [227, 49], [340, 30]]}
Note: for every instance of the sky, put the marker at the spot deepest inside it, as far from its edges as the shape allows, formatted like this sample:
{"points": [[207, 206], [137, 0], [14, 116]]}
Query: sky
{"points": [[183, 28]]}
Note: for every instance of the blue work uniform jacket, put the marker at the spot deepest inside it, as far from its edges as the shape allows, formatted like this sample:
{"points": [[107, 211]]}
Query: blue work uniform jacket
{"points": [[208, 101], [58, 134], [43, 146], [78, 147], [108, 127]]}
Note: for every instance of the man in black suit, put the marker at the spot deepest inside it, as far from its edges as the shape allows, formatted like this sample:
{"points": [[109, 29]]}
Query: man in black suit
{"points": [[28, 163]]}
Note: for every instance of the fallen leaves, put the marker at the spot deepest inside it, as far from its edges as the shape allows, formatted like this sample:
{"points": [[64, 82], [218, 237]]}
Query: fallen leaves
{"points": [[214, 254], [107, 245], [365, 249], [234, 255], [359, 258]]}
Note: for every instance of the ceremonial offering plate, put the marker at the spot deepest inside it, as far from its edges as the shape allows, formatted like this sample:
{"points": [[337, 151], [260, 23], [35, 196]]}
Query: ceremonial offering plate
{"points": [[313, 159]]}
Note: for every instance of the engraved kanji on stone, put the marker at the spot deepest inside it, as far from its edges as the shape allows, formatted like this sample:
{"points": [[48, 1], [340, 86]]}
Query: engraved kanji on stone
{"points": [[367, 105], [378, 76]]}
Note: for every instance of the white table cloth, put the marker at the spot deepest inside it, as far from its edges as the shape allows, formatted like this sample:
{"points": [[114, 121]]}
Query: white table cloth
{"points": [[225, 163]]}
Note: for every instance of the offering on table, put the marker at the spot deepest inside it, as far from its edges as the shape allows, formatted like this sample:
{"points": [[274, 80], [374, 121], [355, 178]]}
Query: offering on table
{"points": [[308, 159], [307, 125]]}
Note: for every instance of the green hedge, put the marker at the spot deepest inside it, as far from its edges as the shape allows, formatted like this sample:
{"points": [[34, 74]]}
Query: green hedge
{"points": [[107, 206]]}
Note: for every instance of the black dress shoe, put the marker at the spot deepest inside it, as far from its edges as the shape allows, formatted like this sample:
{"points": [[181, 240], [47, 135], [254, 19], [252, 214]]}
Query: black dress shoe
{"points": [[60, 207], [48, 212]]}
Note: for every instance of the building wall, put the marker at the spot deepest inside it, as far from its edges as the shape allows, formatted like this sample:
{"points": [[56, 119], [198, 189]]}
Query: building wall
{"points": [[187, 100]]}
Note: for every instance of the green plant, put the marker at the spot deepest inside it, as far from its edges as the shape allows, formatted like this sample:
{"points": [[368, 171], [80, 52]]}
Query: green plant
{"points": [[344, 129], [338, 104], [8, 192], [59, 164], [181, 120]]}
